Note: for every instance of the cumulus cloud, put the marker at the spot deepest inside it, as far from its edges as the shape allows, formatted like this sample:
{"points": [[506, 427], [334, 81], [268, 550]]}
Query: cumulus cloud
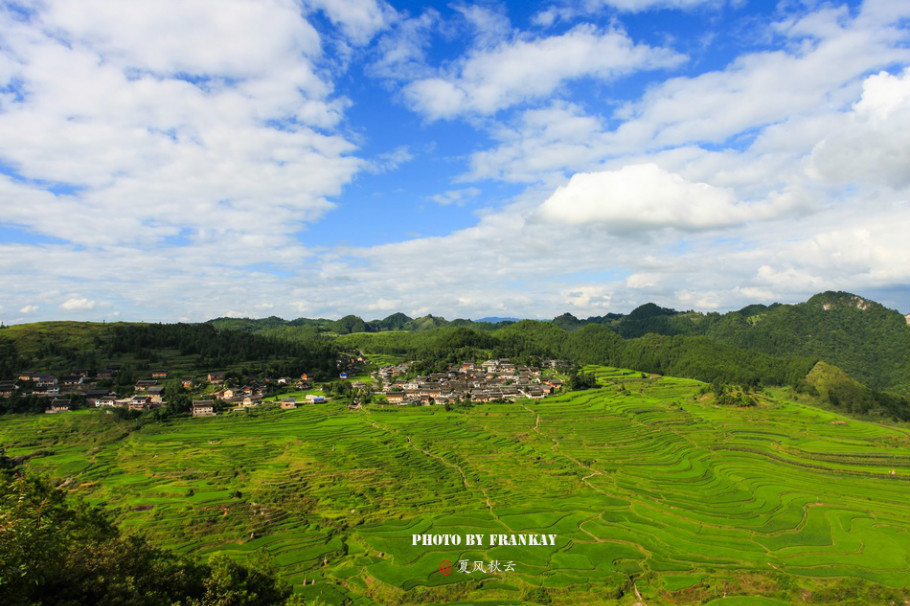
{"points": [[870, 250], [131, 32], [589, 298], [491, 79], [760, 114], [186, 142], [763, 88], [77, 304], [646, 197], [540, 142], [359, 19], [148, 136], [29, 309], [873, 143]]}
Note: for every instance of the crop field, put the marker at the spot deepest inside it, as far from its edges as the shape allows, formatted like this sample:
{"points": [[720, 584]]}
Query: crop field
{"points": [[655, 494]]}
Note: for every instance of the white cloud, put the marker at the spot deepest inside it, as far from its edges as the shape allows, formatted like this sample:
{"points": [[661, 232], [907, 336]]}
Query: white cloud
{"points": [[491, 79], [77, 304], [635, 6], [456, 196], [765, 110], [359, 19], [187, 36], [391, 160], [592, 299], [873, 143], [505, 264], [871, 251], [385, 305], [647, 197], [490, 26], [541, 142], [402, 50], [29, 309], [189, 142], [158, 134], [768, 87]]}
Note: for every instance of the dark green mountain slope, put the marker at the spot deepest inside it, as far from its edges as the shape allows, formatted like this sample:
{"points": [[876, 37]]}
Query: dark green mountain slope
{"points": [[64, 346], [869, 341]]}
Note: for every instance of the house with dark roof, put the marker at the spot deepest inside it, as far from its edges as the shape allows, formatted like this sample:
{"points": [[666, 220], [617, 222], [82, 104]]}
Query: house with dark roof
{"points": [[59, 405], [71, 380], [106, 401], [156, 394], [141, 403], [8, 388], [93, 395], [203, 408]]}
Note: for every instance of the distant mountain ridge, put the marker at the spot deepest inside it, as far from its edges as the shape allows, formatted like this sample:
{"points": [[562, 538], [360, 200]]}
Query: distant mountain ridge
{"points": [[497, 320], [851, 351], [866, 339]]}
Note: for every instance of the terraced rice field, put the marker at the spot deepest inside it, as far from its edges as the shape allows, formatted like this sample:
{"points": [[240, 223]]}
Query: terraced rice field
{"points": [[656, 496]]}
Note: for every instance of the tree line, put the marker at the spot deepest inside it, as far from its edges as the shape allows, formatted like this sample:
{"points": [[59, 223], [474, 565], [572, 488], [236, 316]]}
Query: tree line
{"points": [[144, 346]]}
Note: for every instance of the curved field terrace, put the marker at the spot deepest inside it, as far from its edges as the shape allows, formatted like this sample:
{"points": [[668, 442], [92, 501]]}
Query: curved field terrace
{"points": [[654, 493]]}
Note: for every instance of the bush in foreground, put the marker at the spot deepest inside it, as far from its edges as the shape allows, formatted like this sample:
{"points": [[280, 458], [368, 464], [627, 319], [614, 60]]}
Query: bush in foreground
{"points": [[57, 552]]}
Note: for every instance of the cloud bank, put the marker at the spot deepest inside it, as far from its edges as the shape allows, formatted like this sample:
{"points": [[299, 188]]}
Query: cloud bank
{"points": [[186, 160]]}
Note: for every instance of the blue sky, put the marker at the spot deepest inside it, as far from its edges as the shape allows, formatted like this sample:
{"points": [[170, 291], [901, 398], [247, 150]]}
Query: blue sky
{"points": [[183, 160]]}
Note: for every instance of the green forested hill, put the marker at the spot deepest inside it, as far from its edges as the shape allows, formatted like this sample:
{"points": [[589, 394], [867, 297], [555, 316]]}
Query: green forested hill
{"points": [[64, 346], [869, 341], [530, 342], [776, 344]]}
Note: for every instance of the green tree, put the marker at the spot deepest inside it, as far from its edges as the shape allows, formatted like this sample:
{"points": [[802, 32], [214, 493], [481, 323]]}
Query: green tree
{"points": [[57, 552]]}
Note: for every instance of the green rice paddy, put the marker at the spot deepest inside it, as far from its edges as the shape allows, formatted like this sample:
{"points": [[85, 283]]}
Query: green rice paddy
{"points": [[651, 489]]}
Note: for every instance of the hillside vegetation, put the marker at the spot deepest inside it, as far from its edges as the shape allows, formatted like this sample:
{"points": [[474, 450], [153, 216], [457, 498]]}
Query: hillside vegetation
{"points": [[865, 339], [870, 342], [54, 550], [758, 345], [64, 346]]}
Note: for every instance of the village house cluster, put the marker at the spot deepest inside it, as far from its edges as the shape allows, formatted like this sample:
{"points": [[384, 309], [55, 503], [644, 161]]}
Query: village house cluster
{"points": [[146, 394], [493, 380], [60, 391]]}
